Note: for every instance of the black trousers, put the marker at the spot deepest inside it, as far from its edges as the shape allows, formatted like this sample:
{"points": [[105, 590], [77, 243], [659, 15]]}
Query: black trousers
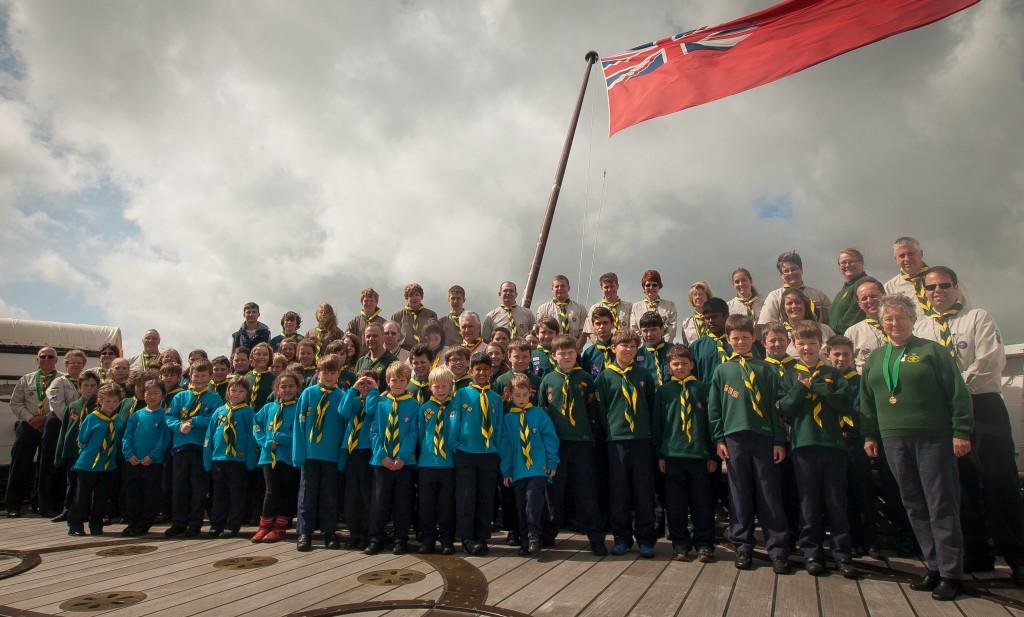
{"points": [[318, 498], [821, 478], [475, 477], [754, 487], [142, 492], [190, 486], [530, 505], [991, 510], [229, 495], [507, 502], [576, 469], [437, 504], [51, 482], [392, 495], [167, 484], [72, 483], [90, 500], [358, 493], [282, 490], [688, 494], [860, 495], [22, 478], [631, 490]]}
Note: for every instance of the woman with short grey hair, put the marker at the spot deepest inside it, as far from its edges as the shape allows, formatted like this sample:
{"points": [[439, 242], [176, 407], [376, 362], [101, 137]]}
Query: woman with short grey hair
{"points": [[915, 400]]}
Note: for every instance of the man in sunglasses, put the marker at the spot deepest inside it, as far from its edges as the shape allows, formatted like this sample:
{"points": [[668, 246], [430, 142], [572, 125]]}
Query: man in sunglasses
{"points": [[909, 281], [30, 405], [991, 508]]}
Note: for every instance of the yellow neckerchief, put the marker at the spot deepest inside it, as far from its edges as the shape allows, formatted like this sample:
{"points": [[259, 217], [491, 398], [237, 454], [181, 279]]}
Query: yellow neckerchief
{"points": [[614, 308], [415, 320], [102, 372], [357, 424], [217, 384], [629, 392], [311, 367], [699, 324], [391, 443], [849, 377], [918, 281], [568, 402], [148, 358], [511, 320], [454, 317], [422, 385], [723, 355], [942, 323], [107, 447], [563, 314], [547, 354], [43, 381], [685, 408], [321, 412], [439, 427], [780, 363], [811, 394], [654, 349], [749, 381], [191, 413], [877, 326], [524, 433], [749, 303], [472, 344], [230, 434], [652, 305], [256, 386], [437, 358], [275, 425], [87, 408], [369, 318], [606, 350], [486, 427]]}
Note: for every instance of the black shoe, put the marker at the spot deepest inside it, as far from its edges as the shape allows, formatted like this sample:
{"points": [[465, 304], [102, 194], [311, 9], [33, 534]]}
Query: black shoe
{"points": [[332, 542], [447, 549], [352, 544], [426, 548], [743, 561], [780, 565], [598, 549], [129, 532], [228, 534], [212, 534], [512, 539], [533, 545], [848, 570], [192, 532], [927, 582], [401, 546], [706, 554], [875, 552], [680, 553], [174, 530], [95, 531], [523, 551], [469, 547], [947, 590], [373, 547], [815, 567], [1017, 574], [77, 532], [60, 518], [481, 549], [304, 544], [13, 514]]}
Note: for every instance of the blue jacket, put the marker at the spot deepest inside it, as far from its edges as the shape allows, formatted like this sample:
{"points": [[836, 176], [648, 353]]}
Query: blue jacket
{"points": [[467, 430], [432, 412], [96, 451], [408, 430], [265, 434], [146, 434], [543, 444], [307, 441], [182, 408], [655, 361], [215, 447]]}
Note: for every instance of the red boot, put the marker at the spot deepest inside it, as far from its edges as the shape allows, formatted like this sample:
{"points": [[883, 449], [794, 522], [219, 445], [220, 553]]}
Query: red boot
{"points": [[265, 526], [277, 532]]}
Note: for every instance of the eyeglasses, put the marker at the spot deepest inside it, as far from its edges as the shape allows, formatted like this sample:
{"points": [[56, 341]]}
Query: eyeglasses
{"points": [[933, 286], [47, 357]]}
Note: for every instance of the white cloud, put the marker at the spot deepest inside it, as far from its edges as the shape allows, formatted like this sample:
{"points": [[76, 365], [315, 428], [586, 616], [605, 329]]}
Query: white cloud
{"points": [[294, 153]]}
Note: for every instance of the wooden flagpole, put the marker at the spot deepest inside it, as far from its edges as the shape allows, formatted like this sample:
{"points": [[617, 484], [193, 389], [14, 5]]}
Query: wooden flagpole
{"points": [[542, 241]]}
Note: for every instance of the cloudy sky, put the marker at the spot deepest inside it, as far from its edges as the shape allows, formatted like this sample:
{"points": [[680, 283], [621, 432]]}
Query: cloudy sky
{"points": [[163, 163]]}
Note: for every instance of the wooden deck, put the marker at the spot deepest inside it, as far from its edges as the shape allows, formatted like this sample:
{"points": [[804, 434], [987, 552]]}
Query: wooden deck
{"points": [[179, 578]]}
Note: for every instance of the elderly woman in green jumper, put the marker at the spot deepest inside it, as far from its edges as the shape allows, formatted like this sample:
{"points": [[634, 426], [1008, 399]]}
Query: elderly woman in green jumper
{"points": [[912, 395]]}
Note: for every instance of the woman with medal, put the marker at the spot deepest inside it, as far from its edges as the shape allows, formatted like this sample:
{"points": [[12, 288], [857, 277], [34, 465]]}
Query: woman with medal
{"points": [[914, 399]]}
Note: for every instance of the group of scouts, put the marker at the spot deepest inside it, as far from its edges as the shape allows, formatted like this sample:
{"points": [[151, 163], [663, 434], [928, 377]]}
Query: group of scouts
{"points": [[434, 418]]}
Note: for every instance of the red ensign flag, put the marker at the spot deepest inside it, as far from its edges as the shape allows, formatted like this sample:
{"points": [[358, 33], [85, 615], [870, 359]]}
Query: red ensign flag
{"points": [[710, 63]]}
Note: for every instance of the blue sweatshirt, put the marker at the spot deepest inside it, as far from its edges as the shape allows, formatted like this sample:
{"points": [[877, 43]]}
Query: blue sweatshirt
{"points": [[96, 447], [468, 428], [184, 407], [146, 434], [432, 414], [408, 430], [242, 446], [313, 438], [542, 439], [274, 424]]}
